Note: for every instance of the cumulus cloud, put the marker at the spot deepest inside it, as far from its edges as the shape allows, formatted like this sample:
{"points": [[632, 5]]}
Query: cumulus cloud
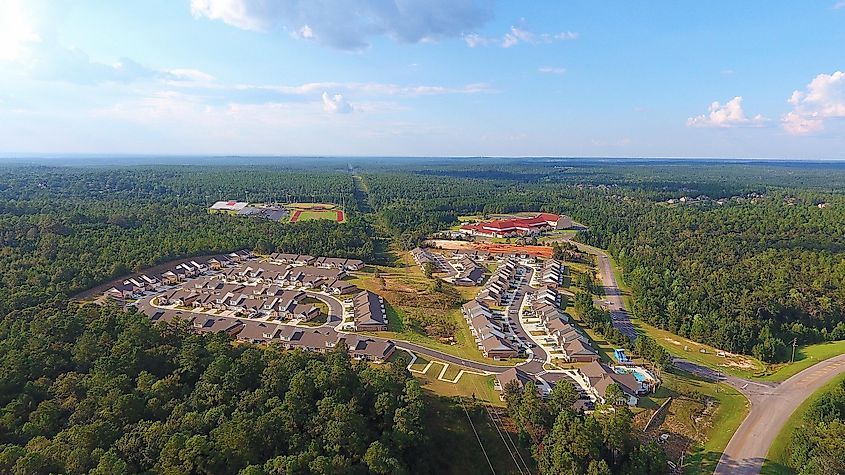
{"points": [[349, 24], [336, 104], [824, 99], [729, 114], [551, 70], [518, 35]]}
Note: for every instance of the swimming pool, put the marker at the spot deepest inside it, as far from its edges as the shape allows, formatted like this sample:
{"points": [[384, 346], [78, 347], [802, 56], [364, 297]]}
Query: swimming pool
{"points": [[637, 375]]}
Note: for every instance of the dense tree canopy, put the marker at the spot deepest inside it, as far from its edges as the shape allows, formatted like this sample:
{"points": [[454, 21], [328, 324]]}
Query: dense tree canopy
{"points": [[817, 446], [95, 389], [564, 442], [62, 231]]}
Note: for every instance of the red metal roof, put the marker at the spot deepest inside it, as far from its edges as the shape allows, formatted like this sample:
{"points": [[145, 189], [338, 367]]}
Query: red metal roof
{"points": [[504, 225]]}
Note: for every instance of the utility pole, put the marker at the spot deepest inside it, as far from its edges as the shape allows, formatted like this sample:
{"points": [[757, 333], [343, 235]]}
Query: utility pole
{"points": [[794, 341]]}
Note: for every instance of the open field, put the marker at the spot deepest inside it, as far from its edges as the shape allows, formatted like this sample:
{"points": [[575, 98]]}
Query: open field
{"points": [[312, 215], [431, 373], [418, 314], [738, 365], [777, 462], [315, 211]]}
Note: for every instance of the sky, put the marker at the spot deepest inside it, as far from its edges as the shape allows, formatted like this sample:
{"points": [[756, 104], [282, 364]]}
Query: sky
{"points": [[734, 79]]}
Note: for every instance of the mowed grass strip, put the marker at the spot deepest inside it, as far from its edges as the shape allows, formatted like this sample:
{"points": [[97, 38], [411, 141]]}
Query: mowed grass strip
{"points": [[806, 356]]}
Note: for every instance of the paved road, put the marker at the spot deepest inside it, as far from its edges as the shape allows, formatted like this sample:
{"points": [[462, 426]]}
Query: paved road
{"points": [[535, 365], [335, 315], [612, 294], [771, 406], [145, 306]]}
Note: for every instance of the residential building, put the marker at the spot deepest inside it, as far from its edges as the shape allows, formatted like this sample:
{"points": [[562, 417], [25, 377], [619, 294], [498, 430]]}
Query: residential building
{"points": [[369, 312]]}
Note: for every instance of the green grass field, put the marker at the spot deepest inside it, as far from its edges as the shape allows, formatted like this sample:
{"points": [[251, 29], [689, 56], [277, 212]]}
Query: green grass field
{"points": [[806, 356], [733, 407], [330, 215], [777, 460], [401, 285]]}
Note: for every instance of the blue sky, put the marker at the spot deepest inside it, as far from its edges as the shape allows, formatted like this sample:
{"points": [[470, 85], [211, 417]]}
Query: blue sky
{"points": [[424, 77]]}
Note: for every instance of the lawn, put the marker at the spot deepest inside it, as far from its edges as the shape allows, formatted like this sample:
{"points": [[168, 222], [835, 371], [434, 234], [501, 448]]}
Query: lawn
{"points": [[701, 419], [330, 215], [806, 356], [469, 385], [737, 365], [777, 460]]}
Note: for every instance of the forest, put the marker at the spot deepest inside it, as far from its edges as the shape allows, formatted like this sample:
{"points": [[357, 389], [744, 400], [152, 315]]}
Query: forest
{"points": [[89, 389], [63, 231], [563, 441]]}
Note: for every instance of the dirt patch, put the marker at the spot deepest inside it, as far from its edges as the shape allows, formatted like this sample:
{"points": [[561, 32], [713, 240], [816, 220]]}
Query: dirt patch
{"points": [[538, 251]]}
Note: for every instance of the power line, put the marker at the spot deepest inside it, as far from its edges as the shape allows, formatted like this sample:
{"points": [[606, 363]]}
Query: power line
{"points": [[496, 423], [515, 448], [477, 437]]}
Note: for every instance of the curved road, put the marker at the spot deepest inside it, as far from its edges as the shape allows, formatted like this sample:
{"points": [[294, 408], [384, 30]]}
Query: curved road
{"points": [[771, 406], [771, 403]]}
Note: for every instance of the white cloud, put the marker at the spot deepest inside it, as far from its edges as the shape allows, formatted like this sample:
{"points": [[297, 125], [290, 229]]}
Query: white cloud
{"points": [[839, 5], [376, 89], [518, 35], [515, 36], [17, 30], [566, 35], [244, 15], [336, 104], [348, 24], [474, 40], [187, 77], [729, 114], [823, 100], [551, 70]]}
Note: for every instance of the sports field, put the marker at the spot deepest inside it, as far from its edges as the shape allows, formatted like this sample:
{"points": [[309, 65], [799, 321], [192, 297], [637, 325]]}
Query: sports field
{"points": [[315, 211]]}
